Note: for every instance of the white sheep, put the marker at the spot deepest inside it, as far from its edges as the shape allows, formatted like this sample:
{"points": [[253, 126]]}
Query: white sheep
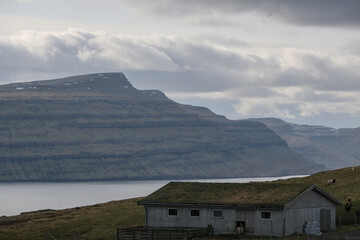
{"points": [[331, 181]]}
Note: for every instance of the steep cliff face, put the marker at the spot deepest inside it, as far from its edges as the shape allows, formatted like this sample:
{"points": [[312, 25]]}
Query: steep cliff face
{"points": [[334, 148], [99, 127]]}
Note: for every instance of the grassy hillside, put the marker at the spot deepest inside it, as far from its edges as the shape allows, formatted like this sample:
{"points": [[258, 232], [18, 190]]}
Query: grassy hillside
{"points": [[346, 185], [347, 182], [101, 221], [91, 222]]}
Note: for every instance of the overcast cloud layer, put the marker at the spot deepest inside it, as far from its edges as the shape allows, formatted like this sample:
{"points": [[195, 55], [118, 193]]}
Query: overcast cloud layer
{"points": [[304, 12], [296, 60]]}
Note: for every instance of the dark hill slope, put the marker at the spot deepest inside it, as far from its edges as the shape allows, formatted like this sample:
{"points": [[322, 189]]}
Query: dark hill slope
{"points": [[334, 148], [99, 127]]}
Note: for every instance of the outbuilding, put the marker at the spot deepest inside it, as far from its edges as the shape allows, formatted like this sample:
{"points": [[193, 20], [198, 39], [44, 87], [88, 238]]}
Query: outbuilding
{"points": [[256, 208]]}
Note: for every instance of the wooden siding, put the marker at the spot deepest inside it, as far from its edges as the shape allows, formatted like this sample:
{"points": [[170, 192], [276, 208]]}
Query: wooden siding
{"points": [[158, 217], [296, 218], [254, 225], [148, 233], [308, 208], [311, 199]]}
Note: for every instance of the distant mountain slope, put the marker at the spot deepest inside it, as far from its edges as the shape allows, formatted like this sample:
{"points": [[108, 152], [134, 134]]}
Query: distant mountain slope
{"points": [[334, 148], [99, 127]]}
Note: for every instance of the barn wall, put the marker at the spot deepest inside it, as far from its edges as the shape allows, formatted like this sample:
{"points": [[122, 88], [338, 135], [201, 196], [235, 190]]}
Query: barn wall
{"points": [[296, 218], [255, 225], [308, 208], [273, 227], [158, 217], [311, 199], [248, 217]]}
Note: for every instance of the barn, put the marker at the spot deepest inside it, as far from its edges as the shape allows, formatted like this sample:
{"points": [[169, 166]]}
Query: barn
{"points": [[256, 208]]}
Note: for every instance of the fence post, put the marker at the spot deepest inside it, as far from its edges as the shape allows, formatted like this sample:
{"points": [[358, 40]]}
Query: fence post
{"points": [[355, 219]]}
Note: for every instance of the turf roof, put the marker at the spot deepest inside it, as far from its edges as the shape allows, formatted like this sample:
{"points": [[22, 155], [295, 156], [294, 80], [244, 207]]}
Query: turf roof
{"points": [[246, 194]]}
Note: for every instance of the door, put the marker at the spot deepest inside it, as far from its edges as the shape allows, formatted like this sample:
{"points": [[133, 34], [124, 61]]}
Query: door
{"points": [[240, 227], [325, 220]]}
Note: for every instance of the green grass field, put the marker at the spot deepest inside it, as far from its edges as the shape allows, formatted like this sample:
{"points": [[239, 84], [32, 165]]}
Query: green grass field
{"points": [[347, 185], [101, 221], [90, 222]]}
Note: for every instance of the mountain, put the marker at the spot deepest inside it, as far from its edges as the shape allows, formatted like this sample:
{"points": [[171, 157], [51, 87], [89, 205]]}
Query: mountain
{"points": [[334, 148], [99, 127]]}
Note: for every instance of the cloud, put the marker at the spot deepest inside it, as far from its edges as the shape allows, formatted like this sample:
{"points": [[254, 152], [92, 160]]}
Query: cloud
{"points": [[278, 82], [78, 51], [352, 47], [305, 12], [295, 102], [25, 1]]}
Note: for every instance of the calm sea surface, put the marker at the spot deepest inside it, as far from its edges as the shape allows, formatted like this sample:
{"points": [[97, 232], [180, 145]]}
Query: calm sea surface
{"points": [[23, 197]]}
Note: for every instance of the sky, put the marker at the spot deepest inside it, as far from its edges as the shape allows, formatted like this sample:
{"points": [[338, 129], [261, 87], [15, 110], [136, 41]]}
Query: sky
{"points": [[294, 60]]}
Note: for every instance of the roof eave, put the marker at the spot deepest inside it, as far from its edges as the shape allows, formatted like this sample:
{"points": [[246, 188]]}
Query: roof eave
{"points": [[212, 205], [186, 204]]}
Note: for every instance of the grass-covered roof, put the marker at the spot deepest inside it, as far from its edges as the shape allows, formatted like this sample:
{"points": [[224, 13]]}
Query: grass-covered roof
{"points": [[246, 194]]}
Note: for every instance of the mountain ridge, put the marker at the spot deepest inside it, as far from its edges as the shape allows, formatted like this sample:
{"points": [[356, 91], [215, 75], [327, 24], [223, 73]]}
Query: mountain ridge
{"points": [[99, 127], [334, 148]]}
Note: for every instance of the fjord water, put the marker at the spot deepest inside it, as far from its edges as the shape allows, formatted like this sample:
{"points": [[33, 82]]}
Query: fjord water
{"points": [[23, 197]]}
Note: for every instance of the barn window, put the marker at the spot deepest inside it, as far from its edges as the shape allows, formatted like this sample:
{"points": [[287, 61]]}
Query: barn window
{"points": [[195, 212], [265, 215], [217, 214], [172, 212]]}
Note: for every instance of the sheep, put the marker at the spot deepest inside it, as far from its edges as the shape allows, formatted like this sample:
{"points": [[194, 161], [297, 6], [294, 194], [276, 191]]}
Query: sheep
{"points": [[240, 230], [348, 205], [331, 181]]}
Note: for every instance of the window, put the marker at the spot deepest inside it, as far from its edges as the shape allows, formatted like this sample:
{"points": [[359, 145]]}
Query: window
{"points": [[217, 214], [195, 212], [265, 215], [172, 212]]}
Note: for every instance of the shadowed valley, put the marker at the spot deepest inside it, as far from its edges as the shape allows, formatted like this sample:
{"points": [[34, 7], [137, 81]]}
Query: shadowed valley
{"points": [[334, 148]]}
